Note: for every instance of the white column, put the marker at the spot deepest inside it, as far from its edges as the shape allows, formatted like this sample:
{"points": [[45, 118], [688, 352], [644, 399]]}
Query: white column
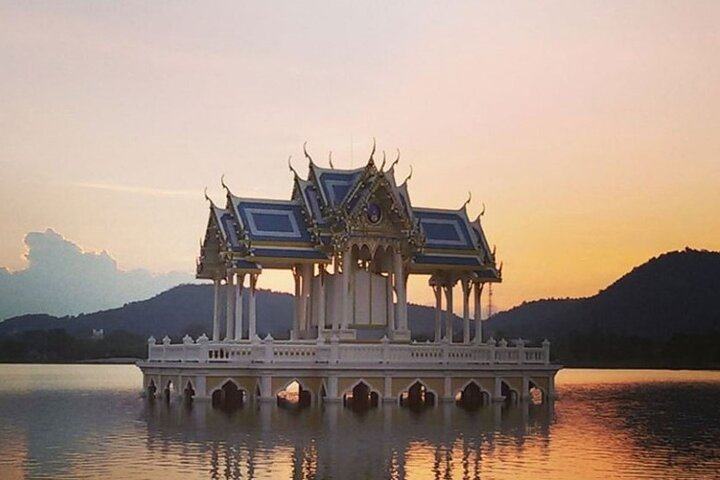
{"points": [[295, 332], [229, 303], [239, 306], [321, 300], [334, 296], [345, 292], [307, 273], [390, 307], [466, 289], [478, 312], [449, 312], [252, 325], [216, 312], [438, 312], [400, 290]]}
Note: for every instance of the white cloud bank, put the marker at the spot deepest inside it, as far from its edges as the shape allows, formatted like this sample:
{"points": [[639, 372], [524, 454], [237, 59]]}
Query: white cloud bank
{"points": [[62, 279]]}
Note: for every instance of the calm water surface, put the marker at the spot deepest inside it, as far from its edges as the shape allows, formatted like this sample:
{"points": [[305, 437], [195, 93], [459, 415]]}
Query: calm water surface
{"points": [[87, 421]]}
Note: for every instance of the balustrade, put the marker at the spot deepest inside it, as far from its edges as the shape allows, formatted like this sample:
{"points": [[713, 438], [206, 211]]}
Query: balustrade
{"points": [[273, 351]]}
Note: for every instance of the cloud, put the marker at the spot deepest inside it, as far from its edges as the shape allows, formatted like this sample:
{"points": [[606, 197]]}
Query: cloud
{"points": [[62, 279]]}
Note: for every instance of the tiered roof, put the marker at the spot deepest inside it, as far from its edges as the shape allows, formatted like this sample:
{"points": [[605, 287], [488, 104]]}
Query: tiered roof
{"points": [[326, 211]]}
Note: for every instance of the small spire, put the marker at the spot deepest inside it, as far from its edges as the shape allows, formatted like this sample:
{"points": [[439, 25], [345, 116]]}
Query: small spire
{"points": [[207, 197], [467, 202], [483, 211], [397, 160], [307, 155], [409, 176], [222, 182], [291, 167], [383, 163], [330, 160], [372, 153]]}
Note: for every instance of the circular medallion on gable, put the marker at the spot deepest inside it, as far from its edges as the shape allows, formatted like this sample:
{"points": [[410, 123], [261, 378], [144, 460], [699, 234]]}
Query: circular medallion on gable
{"points": [[374, 213]]}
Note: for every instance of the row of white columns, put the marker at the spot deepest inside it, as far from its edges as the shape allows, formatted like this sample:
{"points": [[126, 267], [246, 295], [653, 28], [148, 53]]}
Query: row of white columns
{"points": [[468, 288], [234, 292]]}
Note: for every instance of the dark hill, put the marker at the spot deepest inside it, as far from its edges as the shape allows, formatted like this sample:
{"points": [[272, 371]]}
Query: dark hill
{"points": [[676, 292], [187, 309], [664, 313]]}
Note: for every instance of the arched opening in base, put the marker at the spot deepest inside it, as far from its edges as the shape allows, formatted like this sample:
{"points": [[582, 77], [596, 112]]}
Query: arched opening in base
{"points": [[229, 397], [417, 397], [510, 395], [472, 397], [151, 390], [188, 393], [294, 397], [167, 392], [361, 398], [536, 395]]}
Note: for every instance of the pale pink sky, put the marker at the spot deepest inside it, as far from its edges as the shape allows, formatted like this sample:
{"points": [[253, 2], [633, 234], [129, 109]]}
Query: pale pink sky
{"points": [[591, 130]]}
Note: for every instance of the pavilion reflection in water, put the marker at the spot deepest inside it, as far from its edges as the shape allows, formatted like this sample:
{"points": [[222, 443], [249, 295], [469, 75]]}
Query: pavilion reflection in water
{"points": [[389, 442]]}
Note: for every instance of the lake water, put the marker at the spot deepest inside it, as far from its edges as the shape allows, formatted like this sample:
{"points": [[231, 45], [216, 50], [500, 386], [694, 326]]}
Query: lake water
{"points": [[88, 421]]}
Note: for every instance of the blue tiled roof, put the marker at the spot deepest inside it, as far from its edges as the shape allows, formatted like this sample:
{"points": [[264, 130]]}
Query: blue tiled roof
{"points": [[226, 221], [446, 230], [273, 221], [337, 184], [314, 203], [281, 231]]}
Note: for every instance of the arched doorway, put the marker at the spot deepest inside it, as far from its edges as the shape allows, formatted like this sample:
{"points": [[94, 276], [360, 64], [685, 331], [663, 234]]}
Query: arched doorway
{"points": [[417, 397], [167, 392], [229, 397], [294, 396], [361, 398], [536, 395], [151, 390], [510, 395], [188, 393], [472, 397]]}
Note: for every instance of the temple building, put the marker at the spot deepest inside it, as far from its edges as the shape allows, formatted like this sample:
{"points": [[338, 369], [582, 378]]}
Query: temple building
{"points": [[351, 239]]}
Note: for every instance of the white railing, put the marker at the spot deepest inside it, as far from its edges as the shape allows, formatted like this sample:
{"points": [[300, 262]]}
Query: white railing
{"points": [[310, 352]]}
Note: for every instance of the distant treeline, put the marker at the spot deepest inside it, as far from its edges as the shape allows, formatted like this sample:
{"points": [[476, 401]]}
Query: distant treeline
{"points": [[58, 346], [582, 350], [597, 349]]}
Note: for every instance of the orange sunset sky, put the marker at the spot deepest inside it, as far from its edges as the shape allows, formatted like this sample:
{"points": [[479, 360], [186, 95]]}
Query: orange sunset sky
{"points": [[591, 130]]}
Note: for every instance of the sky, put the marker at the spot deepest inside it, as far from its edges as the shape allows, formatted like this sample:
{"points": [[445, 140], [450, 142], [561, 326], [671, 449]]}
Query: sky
{"points": [[588, 129]]}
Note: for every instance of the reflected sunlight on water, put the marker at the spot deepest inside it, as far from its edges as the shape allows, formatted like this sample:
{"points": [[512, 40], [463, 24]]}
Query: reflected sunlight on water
{"points": [[88, 421]]}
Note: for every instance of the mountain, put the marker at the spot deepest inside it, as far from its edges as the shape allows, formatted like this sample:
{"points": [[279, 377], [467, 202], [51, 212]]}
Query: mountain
{"points": [[674, 293], [664, 313], [188, 309]]}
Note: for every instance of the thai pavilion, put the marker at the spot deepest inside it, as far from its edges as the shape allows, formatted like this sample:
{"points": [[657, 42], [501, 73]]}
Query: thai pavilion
{"points": [[351, 239]]}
